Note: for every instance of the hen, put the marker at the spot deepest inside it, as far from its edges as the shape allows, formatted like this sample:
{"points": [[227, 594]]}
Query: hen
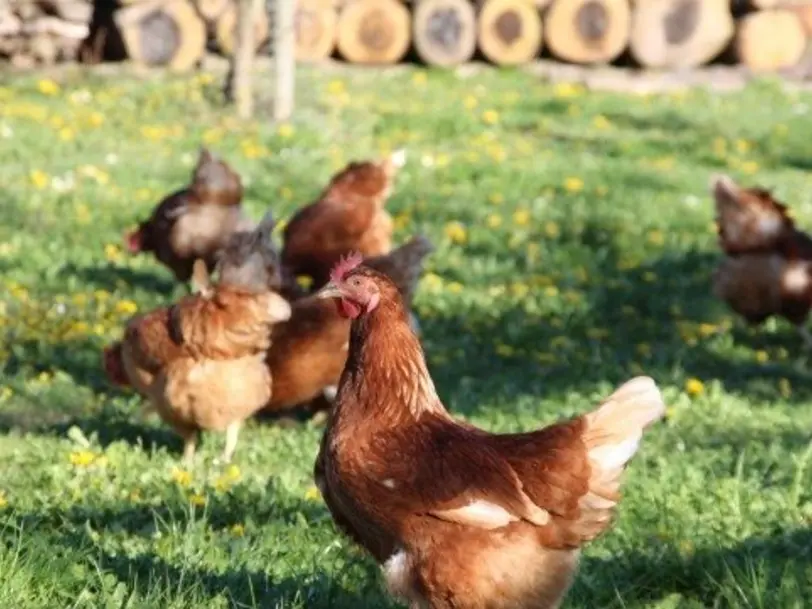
{"points": [[201, 362], [348, 215], [767, 269], [194, 222], [309, 350], [460, 518]]}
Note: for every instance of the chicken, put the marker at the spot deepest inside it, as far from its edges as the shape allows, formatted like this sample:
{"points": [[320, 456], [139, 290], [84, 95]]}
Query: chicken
{"points": [[349, 215], [460, 518], [309, 350], [194, 222], [201, 362], [767, 269]]}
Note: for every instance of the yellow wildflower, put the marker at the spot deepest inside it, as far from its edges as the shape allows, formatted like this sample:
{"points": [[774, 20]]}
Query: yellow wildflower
{"points": [[39, 179], [237, 530], [521, 217], [750, 167], [762, 356], [285, 130], [66, 134], [335, 87], [82, 458], [601, 122], [552, 230], [312, 493], [181, 476], [567, 89], [573, 184], [126, 307], [419, 78], [496, 198], [112, 252], [494, 220], [197, 499], [490, 117], [455, 287], [3, 499], [456, 232], [694, 387], [48, 87], [470, 102]]}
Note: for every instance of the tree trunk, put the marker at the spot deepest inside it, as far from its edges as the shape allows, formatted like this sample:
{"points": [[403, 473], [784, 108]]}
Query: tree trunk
{"points": [[680, 33], [509, 31], [226, 30], [211, 10], [242, 62], [285, 59], [163, 33], [374, 31], [587, 31], [444, 31], [771, 40], [316, 26]]}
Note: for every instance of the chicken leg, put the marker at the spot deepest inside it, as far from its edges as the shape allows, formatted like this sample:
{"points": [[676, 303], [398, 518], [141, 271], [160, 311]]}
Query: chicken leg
{"points": [[190, 438], [232, 435]]}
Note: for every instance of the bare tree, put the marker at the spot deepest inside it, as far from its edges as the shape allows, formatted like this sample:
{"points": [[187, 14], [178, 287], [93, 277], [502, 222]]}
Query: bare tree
{"points": [[285, 59], [242, 66]]}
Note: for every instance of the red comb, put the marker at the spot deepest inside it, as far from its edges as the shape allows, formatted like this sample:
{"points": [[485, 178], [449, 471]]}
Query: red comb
{"points": [[345, 265]]}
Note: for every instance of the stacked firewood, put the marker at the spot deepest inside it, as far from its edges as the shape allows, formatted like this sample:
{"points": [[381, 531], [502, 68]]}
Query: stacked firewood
{"points": [[764, 35], [42, 31]]}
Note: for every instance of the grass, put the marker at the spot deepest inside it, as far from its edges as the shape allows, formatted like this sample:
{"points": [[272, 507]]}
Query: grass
{"points": [[574, 250]]}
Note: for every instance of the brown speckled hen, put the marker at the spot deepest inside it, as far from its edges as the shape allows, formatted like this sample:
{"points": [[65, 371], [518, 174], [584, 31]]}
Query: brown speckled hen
{"points": [[767, 269], [194, 222], [460, 518], [349, 215]]}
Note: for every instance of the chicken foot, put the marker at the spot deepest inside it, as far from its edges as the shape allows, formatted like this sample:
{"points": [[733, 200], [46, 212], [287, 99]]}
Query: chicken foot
{"points": [[232, 435], [190, 438]]}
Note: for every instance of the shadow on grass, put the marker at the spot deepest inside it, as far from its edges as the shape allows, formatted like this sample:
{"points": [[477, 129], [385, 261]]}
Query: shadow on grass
{"points": [[658, 319], [111, 277], [775, 571], [150, 575]]}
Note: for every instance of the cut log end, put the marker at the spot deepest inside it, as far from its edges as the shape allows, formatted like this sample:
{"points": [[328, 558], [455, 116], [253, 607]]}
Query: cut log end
{"points": [[374, 32], [509, 31], [444, 31], [680, 33], [772, 40], [588, 31], [168, 34], [316, 25]]}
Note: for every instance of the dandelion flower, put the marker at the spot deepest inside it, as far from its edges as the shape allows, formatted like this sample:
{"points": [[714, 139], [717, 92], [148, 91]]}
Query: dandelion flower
{"points": [[456, 232], [573, 184], [521, 217], [197, 499], [82, 458], [3, 499], [494, 220], [490, 117], [48, 87], [126, 307], [694, 387], [39, 179], [181, 476], [285, 130], [237, 530], [312, 493]]}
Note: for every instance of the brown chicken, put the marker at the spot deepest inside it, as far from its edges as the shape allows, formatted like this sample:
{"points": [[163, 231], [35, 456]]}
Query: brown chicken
{"points": [[348, 216], [201, 362], [194, 222], [460, 518], [768, 267], [309, 350]]}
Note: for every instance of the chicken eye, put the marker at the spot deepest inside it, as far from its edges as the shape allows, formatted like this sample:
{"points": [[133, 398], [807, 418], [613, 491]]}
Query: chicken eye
{"points": [[355, 282]]}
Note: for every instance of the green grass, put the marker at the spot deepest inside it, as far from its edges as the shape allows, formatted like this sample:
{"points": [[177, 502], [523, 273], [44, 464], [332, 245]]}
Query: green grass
{"points": [[574, 250]]}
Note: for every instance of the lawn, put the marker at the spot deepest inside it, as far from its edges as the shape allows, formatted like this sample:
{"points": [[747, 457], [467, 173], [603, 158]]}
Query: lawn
{"points": [[574, 250]]}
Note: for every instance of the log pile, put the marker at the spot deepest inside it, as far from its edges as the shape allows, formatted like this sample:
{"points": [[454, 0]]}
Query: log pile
{"points": [[763, 35], [34, 32]]}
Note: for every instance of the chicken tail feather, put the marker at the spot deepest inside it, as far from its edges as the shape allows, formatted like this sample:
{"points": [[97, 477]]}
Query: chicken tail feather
{"points": [[614, 430]]}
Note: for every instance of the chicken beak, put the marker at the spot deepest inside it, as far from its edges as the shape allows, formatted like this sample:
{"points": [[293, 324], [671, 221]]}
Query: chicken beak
{"points": [[329, 291]]}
